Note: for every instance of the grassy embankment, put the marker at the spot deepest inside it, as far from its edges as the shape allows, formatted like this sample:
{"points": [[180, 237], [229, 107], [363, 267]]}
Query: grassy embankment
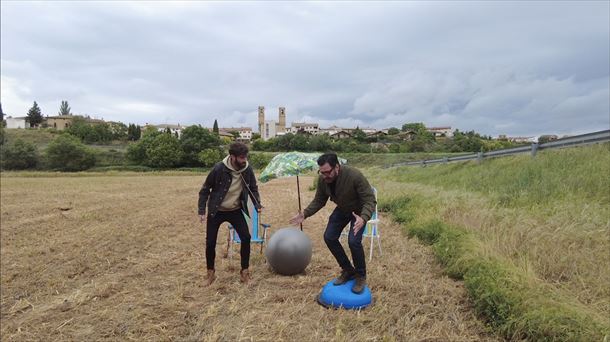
{"points": [[529, 236], [107, 156]]}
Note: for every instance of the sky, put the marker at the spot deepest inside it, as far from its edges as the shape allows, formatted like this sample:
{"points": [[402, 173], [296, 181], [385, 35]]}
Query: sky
{"points": [[515, 68]]}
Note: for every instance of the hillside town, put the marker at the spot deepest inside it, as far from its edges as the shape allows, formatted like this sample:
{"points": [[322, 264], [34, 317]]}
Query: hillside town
{"points": [[267, 128]]}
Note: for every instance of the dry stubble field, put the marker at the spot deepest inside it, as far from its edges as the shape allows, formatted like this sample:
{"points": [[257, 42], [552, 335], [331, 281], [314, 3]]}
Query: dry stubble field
{"points": [[121, 258]]}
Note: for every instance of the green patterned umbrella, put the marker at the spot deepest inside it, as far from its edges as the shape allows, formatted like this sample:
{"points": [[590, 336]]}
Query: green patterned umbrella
{"points": [[291, 164]]}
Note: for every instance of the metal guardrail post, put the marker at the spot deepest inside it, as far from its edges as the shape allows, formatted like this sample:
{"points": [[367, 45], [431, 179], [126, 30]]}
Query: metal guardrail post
{"points": [[479, 157], [534, 149], [445, 160]]}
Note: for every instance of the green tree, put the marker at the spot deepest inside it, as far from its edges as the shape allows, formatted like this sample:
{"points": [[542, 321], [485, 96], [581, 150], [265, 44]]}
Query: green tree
{"points": [[64, 109], [133, 132], [210, 156], [195, 139], [300, 142], [19, 155], [215, 128], [359, 135], [34, 115], [67, 153], [164, 152], [320, 143], [393, 131], [1, 113], [118, 130], [136, 152]]}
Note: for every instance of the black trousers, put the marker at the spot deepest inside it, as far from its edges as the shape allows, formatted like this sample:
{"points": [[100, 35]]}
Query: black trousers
{"points": [[237, 220], [336, 223]]}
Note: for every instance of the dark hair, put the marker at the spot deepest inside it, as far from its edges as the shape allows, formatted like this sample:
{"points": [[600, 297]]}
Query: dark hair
{"points": [[238, 149], [330, 158]]}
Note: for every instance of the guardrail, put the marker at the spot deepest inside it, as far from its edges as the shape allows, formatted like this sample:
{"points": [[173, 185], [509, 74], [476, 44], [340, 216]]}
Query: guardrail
{"points": [[577, 140]]}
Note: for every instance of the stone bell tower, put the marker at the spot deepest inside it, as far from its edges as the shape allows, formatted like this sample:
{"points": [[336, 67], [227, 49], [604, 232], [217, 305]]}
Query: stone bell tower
{"points": [[261, 119], [281, 126]]}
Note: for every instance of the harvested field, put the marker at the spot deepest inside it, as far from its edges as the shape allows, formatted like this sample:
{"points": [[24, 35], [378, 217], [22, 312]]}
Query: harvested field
{"points": [[122, 258]]}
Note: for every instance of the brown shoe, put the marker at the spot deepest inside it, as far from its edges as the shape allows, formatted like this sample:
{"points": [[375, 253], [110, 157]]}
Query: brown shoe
{"points": [[346, 275], [359, 285], [211, 277], [244, 276]]}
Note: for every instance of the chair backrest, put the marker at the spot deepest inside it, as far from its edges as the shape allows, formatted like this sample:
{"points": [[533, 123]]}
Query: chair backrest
{"points": [[252, 221], [370, 228]]}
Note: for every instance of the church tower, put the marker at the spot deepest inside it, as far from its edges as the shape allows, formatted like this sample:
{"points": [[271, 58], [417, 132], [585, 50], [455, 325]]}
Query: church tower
{"points": [[282, 120], [261, 119]]}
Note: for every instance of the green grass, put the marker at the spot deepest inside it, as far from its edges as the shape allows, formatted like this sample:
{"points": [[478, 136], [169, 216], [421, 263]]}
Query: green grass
{"points": [[528, 236], [553, 175], [39, 137], [514, 303]]}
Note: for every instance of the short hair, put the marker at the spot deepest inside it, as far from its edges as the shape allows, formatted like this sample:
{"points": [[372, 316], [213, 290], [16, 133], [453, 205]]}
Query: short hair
{"points": [[330, 158], [238, 149]]}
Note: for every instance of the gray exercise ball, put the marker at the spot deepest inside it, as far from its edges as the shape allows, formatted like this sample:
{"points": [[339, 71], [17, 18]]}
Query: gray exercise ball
{"points": [[289, 251]]}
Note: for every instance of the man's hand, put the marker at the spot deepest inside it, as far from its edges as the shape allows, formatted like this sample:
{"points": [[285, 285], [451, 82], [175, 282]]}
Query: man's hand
{"points": [[297, 219], [202, 218], [358, 224]]}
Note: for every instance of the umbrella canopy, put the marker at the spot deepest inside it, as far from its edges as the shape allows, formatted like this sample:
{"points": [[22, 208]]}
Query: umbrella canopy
{"points": [[289, 164]]}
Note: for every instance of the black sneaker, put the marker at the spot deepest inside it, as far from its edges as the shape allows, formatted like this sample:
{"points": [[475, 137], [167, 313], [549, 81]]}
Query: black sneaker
{"points": [[344, 277], [360, 284]]}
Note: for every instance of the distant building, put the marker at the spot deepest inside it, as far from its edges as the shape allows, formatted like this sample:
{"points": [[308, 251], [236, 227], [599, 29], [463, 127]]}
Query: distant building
{"points": [[440, 131], [311, 128], [59, 122], [19, 122], [330, 130], [269, 130], [245, 133], [174, 129], [341, 135]]}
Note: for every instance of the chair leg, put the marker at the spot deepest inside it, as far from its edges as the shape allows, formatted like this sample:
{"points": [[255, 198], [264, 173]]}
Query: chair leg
{"points": [[379, 243], [371, 249]]}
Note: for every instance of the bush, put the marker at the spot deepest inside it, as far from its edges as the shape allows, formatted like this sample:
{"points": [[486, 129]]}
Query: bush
{"points": [[164, 152], [259, 160], [19, 155], [210, 156], [67, 153]]}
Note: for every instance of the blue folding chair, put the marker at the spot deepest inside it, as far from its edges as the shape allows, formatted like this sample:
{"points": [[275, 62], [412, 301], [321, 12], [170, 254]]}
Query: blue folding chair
{"points": [[371, 229], [258, 231]]}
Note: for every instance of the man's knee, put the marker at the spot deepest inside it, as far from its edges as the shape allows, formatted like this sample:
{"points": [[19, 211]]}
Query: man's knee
{"points": [[354, 242], [330, 238]]}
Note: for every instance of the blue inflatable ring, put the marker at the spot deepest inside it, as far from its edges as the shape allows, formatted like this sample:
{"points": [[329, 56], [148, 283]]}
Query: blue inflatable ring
{"points": [[342, 297]]}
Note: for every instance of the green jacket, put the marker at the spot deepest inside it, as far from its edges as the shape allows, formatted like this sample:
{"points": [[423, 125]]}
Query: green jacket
{"points": [[353, 193]]}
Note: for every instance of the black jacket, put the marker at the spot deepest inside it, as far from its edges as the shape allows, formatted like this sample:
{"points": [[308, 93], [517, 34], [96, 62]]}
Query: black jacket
{"points": [[217, 184]]}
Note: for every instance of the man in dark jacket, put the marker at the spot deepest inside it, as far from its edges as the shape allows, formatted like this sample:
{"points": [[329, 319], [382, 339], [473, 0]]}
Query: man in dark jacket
{"points": [[226, 190], [351, 191]]}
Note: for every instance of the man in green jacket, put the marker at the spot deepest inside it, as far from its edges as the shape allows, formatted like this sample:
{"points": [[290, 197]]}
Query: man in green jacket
{"points": [[351, 191]]}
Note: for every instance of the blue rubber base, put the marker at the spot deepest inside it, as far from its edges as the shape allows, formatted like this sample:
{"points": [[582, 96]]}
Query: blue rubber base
{"points": [[341, 296]]}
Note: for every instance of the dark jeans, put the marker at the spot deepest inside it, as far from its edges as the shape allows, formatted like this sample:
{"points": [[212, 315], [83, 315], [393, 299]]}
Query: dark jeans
{"points": [[237, 220], [336, 222]]}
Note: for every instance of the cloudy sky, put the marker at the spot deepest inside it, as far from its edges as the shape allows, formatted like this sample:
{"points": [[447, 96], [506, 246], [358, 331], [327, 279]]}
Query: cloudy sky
{"points": [[517, 68]]}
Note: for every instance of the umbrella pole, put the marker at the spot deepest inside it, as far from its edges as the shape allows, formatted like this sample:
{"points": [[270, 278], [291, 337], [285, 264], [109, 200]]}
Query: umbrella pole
{"points": [[299, 193]]}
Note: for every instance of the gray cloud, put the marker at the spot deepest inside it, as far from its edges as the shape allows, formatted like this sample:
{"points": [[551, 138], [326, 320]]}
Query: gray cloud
{"points": [[500, 67]]}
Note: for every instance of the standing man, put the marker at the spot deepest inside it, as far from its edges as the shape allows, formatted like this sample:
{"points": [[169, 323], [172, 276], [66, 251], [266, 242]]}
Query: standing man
{"points": [[350, 190], [226, 191]]}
